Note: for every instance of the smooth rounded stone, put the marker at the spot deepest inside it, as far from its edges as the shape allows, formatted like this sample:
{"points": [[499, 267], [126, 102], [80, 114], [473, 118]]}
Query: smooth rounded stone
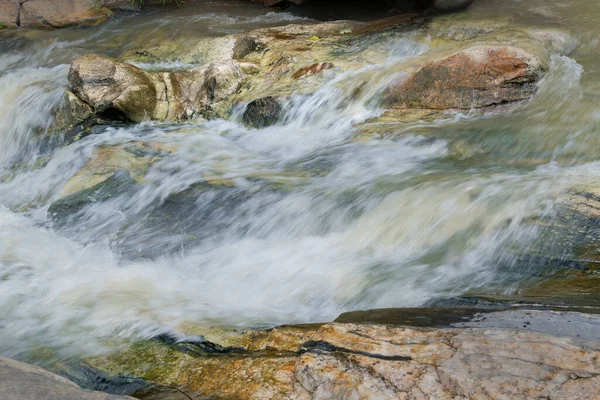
{"points": [[121, 91], [451, 5], [21, 381], [262, 112], [116, 90]]}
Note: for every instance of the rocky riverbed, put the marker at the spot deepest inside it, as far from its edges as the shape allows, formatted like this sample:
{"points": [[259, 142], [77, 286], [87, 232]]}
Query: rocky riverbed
{"points": [[189, 197], [462, 353]]}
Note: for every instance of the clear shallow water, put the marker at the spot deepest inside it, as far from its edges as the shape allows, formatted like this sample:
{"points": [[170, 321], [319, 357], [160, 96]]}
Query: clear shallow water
{"points": [[309, 223]]}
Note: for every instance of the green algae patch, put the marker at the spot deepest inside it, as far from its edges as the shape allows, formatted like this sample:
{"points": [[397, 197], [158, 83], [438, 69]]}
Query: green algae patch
{"points": [[149, 360]]}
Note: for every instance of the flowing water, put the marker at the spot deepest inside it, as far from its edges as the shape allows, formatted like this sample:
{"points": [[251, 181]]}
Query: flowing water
{"points": [[309, 223]]}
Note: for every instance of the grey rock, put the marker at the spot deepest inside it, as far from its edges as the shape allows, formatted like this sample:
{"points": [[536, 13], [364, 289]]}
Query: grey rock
{"points": [[244, 46], [262, 112], [21, 381], [70, 115], [558, 324]]}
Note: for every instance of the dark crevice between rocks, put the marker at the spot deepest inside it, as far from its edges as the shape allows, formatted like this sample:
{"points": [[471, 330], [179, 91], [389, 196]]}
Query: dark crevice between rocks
{"points": [[204, 348], [359, 10], [111, 114], [19, 6], [92, 378], [321, 346], [351, 10], [18, 21], [199, 346]]}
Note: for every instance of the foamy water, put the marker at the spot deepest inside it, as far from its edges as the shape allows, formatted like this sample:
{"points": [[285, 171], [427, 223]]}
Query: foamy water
{"points": [[308, 223]]}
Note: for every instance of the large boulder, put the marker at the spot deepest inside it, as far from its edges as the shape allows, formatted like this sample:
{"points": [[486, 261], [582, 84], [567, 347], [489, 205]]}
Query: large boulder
{"points": [[20, 381], [479, 76], [456, 354], [51, 13], [113, 88], [116, 90]]}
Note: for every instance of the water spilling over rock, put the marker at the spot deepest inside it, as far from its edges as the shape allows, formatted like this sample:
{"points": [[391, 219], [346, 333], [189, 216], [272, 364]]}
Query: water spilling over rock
{"points": [[209, 168]]}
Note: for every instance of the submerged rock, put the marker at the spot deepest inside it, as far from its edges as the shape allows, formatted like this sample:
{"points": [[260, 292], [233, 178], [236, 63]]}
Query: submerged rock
{"points": [[478, 354], [134, 157], [262, 112], [118, 184], [21, 381], [110, 172], [477, 77]]}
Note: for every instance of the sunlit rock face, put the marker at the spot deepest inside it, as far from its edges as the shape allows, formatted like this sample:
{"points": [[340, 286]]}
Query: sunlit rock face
{"points": [[476, 77], [122, 91], [493, 355], [111, 87]]}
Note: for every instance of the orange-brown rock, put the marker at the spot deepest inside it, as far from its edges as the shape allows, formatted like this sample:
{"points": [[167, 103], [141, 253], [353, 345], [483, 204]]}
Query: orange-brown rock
{"points": [[312, 69], [477, 77], [497, 355], [51, 13]]}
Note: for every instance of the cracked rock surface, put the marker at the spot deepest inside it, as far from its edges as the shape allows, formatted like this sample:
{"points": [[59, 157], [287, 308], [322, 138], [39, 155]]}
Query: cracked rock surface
{"points": [[497, 355]]}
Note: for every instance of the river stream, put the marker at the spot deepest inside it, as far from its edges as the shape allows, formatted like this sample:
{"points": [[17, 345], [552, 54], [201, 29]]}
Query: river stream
{"points": [[310, 223]]}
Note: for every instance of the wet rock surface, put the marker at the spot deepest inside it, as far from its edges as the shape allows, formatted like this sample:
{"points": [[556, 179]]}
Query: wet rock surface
{"points": [[262, 112], [463, 73], [477, 77], [21, 381], [494, 354]]}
